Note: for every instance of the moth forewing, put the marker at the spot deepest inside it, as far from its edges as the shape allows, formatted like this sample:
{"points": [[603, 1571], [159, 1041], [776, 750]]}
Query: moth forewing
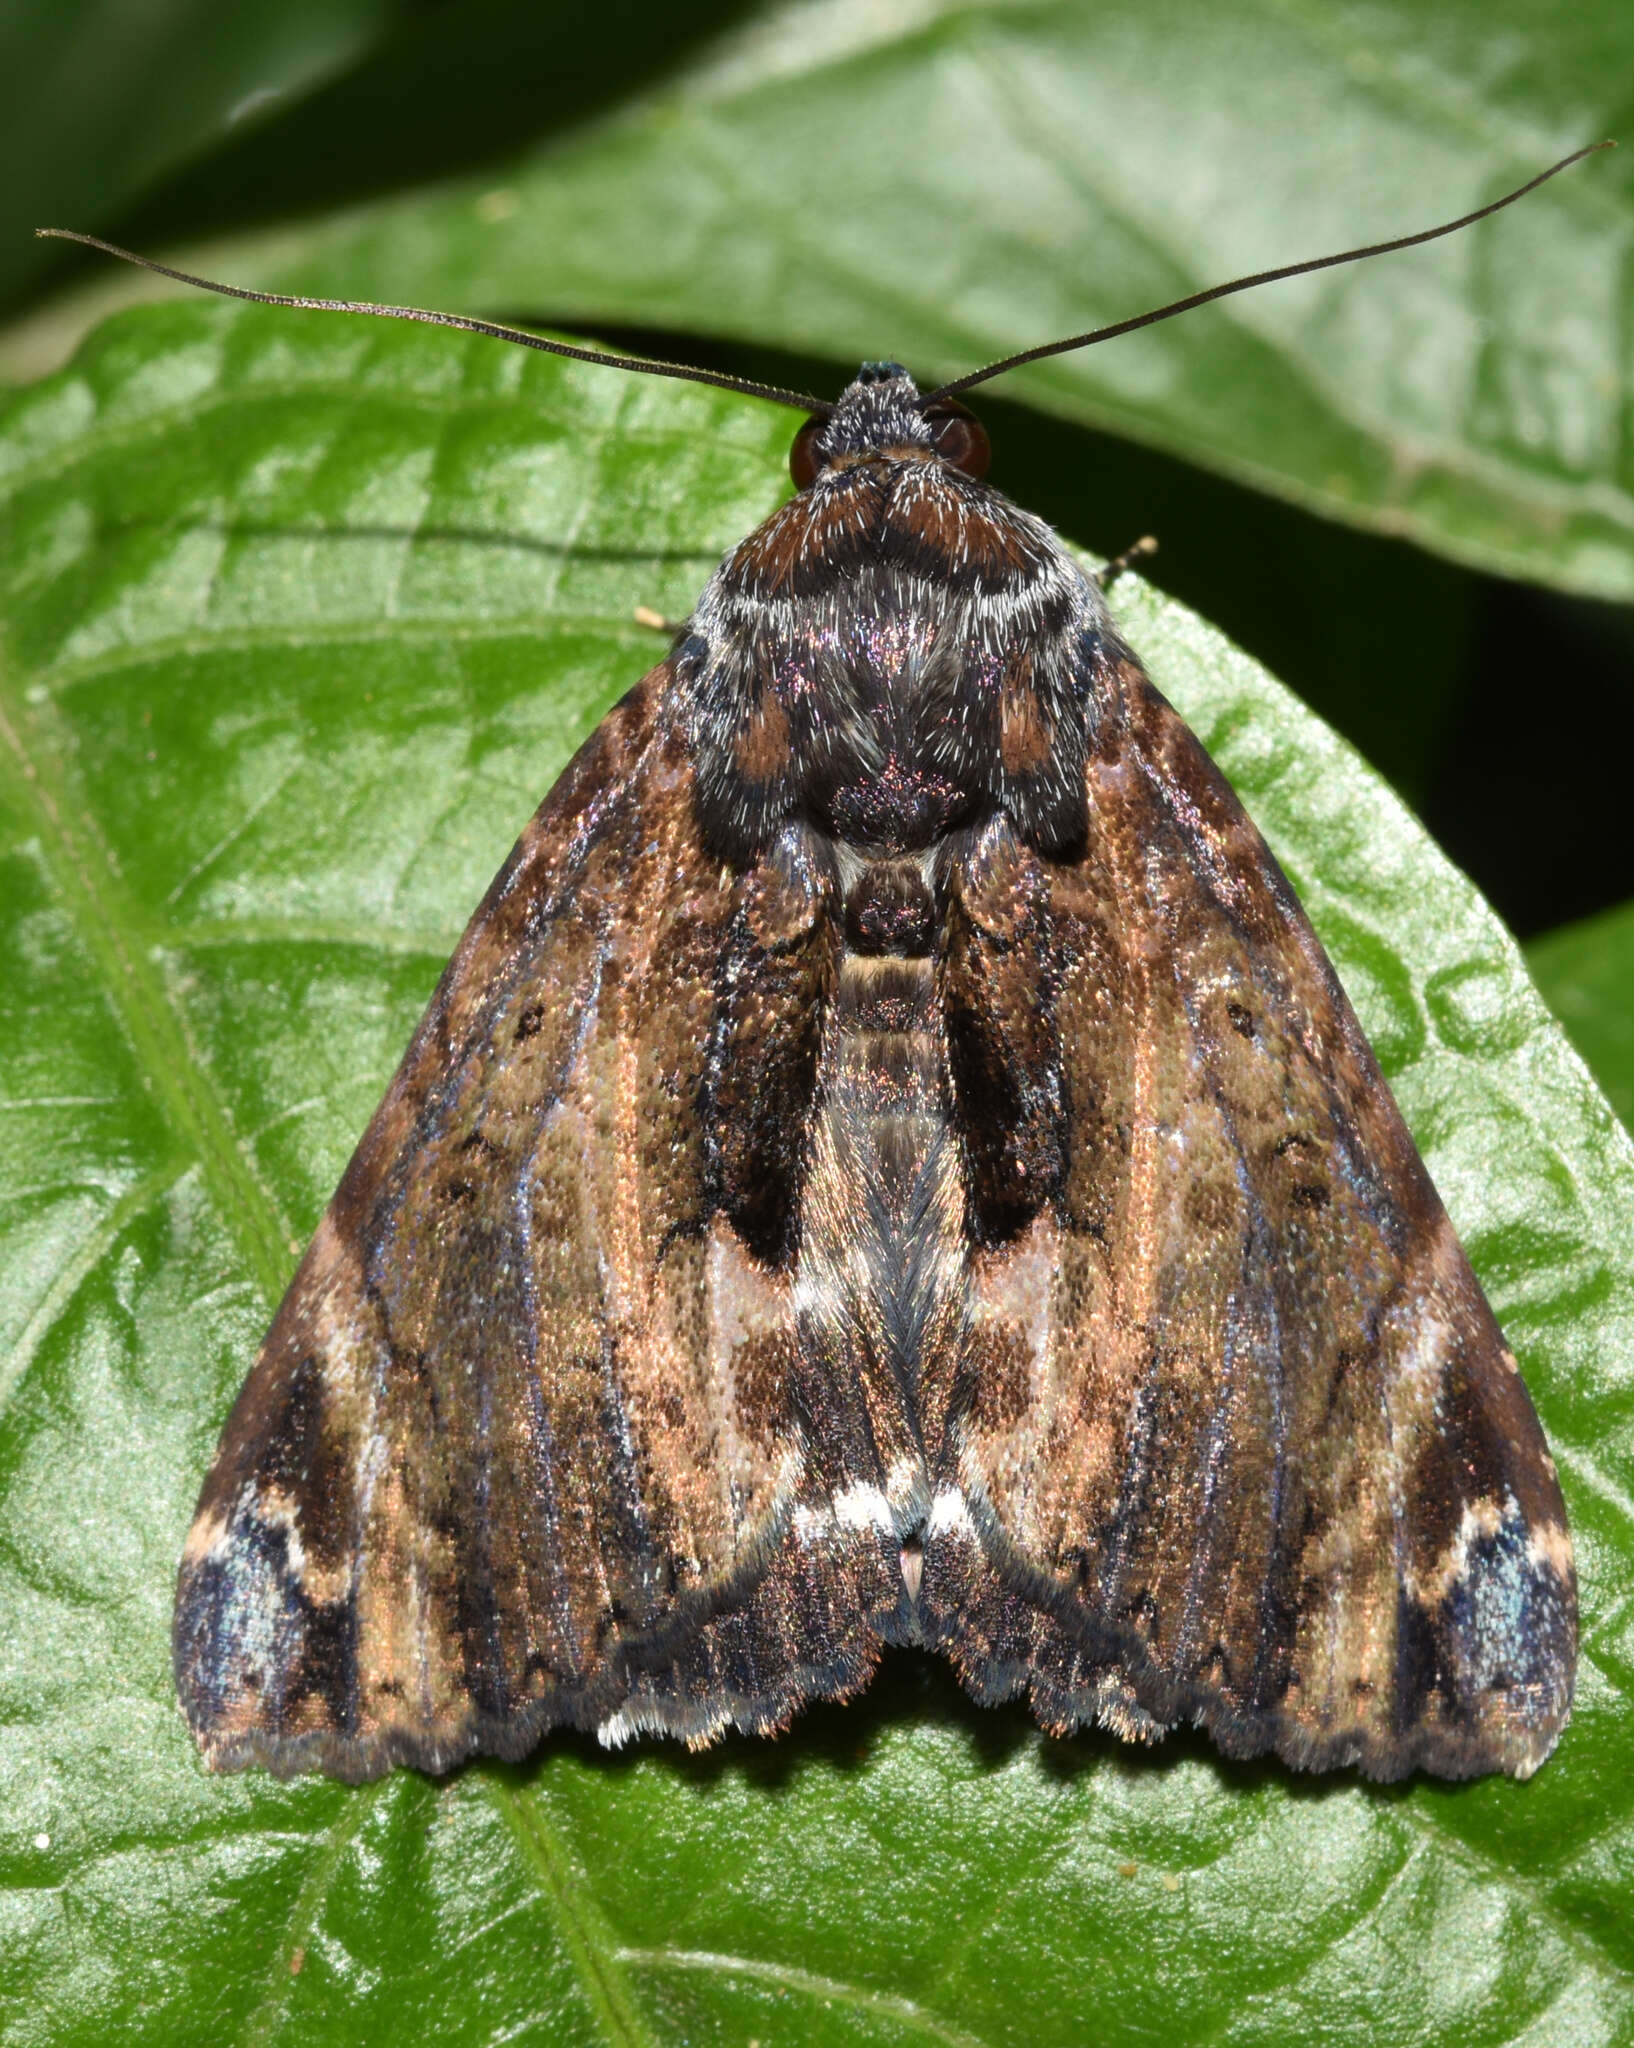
{"points": [[889, 1162]]}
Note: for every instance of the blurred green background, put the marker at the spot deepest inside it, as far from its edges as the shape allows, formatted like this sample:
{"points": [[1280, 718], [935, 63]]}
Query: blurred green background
{"points": [[297, 621]]}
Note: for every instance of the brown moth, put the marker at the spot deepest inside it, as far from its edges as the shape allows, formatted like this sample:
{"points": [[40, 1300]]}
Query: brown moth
{"points": [[889, 1162]]}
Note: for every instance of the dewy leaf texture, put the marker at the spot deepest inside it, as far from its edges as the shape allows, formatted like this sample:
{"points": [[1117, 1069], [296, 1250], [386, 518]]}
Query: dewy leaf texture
{"points": [[298, 620]]}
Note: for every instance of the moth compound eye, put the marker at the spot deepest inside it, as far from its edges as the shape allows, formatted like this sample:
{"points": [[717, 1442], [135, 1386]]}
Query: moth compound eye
{"points": [[960, 438], [805, 460]]}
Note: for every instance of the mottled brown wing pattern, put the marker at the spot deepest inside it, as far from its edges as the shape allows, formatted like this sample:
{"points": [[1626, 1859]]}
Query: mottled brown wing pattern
{"points": [[526, 1440], [1240, 1439], [889, 1162]]}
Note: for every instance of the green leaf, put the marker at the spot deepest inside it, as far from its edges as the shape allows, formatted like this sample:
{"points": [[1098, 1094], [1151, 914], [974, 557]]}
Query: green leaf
{"points": [[1586, 973], [298, 621], [945, 182], [117, 95]]}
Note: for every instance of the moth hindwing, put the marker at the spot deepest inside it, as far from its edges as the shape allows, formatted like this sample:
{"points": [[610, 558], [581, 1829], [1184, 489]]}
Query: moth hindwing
{"points": [[889, 1162]]}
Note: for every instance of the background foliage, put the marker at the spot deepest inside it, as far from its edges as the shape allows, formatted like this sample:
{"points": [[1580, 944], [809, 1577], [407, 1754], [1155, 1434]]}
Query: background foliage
{"points": [[297, 621]]}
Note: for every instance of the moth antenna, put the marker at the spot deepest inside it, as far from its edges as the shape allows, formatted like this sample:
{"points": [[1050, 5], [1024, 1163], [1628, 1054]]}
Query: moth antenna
{"points": [[745, 387], [1259, 277]]}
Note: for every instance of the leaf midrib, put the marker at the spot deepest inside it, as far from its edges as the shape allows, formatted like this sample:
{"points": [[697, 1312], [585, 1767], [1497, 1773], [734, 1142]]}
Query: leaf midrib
{"points": [[136, 995], [102, 919]]}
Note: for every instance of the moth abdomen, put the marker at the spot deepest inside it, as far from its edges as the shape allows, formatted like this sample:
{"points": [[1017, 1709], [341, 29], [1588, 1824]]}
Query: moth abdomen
{"points": [[889, 909]]}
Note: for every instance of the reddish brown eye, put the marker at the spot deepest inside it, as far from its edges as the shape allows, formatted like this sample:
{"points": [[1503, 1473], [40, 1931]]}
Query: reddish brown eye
{"points": [[960, 438], [804, 459]]}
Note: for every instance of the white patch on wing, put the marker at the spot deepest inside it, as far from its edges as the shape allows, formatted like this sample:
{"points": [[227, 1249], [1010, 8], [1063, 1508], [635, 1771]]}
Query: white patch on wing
{"points": [[207, 1537], [617, 1730], [862, 1507], [647, 1717], [949, 1512], [1431, 1340], [1551, 1545]]}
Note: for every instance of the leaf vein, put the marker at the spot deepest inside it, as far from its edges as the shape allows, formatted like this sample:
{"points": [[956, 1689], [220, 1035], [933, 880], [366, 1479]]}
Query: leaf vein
{"points": [[155, 1032], [585, 1935], [77, 1268], [303, 1915], [831, 1990]]}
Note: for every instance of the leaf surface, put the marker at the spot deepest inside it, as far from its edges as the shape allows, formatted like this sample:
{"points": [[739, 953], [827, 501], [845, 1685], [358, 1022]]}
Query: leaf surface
{"points": [[1586, 973], [945, 182], [298, 621]]}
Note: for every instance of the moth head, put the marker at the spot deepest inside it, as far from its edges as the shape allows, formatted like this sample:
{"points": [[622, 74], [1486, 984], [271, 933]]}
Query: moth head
{"points": [[881, 415]]}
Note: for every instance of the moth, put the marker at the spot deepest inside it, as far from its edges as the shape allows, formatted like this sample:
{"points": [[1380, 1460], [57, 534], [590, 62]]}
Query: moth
{"points": [[889, 1162]]}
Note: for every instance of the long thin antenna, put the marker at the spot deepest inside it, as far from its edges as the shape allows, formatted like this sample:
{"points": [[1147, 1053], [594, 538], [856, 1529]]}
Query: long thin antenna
{"points": [[1244, 284], [745, 388], [801, 401]]}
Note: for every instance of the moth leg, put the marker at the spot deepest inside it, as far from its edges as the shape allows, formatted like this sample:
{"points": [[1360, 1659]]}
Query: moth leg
{"points": [[1138, 551]]}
